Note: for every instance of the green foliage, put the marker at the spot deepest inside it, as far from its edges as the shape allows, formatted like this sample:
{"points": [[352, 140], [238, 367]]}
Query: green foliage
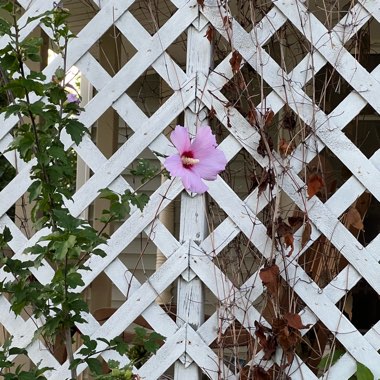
{"points": [[120, 204], [144, 170], [7, 352], [363, 373], [330, 359], [143, 346], [45, 112]]}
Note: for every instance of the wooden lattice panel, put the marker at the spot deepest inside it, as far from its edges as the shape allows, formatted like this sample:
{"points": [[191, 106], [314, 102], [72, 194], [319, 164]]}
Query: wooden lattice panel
{"points": [[196, 91]]}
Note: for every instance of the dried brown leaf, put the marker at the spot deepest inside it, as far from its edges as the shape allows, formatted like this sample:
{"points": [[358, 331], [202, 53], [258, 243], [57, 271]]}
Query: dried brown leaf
{"points": [[210, 33], [289, 121], [314, 184], [270, 278], [262, 148], [283, 229], [267, 178], [255, 373], [235, 61], [259, 373], [306, 234], [278, 324], [226, 21], [212, 113], [285, 147], [267, 342], [288, 339], [289, 242], [252, 116], [288, 336], [354, 219], [295, 222], [294, 320], [268, 117], [201, 3]]}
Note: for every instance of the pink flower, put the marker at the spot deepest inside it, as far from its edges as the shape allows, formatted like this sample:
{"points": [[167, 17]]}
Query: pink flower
{"points": [[196, 160], [72, 98]]}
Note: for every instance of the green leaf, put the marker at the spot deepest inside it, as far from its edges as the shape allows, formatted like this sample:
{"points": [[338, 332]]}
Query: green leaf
{"points": [[37, 108], [7, 236], [5, 27], [62, 247], [57, 95], [94, 365], [329, 360], [34, 190], [17, 351], [120, 210], [9, 62], [12, 109], [74, 280], [66, 221], [363, 372], [34, 57], [60, 74], [99, 252], [26, 376], [140, 200], [144, 170], [76, 130], [7, 5], [108, 194], [113, 364]]}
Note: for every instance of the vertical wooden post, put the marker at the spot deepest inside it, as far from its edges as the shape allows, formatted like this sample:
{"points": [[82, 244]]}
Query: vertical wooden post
{"points": [[193, 225]]}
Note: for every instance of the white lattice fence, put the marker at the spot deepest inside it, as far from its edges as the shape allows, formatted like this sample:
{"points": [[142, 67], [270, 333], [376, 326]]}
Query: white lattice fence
{"points": [[193, 257]]}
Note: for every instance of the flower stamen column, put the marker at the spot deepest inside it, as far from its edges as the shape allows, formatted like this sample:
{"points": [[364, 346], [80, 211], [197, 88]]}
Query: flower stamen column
{"points": [[193, 226]]}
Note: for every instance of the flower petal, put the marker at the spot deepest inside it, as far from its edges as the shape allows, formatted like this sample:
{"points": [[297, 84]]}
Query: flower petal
{"points": [[192, 182], [180, 138], [174, 165], [204, 142], [209, 167]]}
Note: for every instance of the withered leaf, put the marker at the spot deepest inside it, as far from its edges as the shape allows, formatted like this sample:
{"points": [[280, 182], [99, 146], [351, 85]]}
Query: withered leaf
{"points": [[267, 342], [235, 61], [289, 242], [262, 148], [285, 148], [306, 234], [314, 184], [295, 222], [289, 121], [287, 336], [270, 278], [210, 33], [252, 116], [268, 117], [259, 373], [278, 324], [288, 339], [201, 3], [294, 320], [267, 178], [229, 125], [211, 113], [354, 219], [226, 21], [283, 229]]}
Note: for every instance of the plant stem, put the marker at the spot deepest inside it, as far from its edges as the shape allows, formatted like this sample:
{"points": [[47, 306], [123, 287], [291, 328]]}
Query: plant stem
{"points": [[69, 350]]}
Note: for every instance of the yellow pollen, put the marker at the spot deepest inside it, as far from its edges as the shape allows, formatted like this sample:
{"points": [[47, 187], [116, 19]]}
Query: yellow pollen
{"points": [[189, 160]]}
